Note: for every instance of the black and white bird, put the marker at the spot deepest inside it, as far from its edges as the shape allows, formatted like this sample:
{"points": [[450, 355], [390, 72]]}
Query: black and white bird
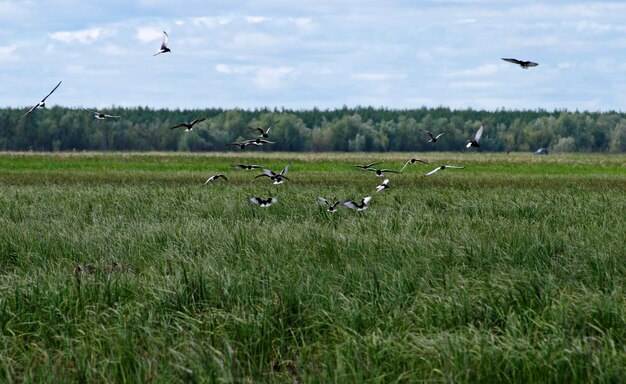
{"points": [[264, 134], [360, 206], [258, 141], [413, 161], [380, 172], [441, 168], [215, 178], [476, 139], [189, 126], [383, 185], [277, 178], [164, 44], [241, 145], [433, 138], [367, 166], [100, 115], [521, 63], [263, 202], [42, 103], [329, 207], [246, 166]]}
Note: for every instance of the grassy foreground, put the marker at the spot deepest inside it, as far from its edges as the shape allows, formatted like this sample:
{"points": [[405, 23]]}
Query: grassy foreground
{"points": [[126, 268]]}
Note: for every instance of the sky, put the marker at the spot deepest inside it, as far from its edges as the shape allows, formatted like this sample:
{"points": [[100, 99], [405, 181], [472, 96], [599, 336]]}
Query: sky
{"points": [[302, 54]]}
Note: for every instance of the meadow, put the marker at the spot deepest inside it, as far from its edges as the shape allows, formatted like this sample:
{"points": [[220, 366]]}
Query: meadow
{"points": [[124, 267]]}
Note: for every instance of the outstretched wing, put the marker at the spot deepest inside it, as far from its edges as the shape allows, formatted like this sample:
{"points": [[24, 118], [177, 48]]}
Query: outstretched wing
{"points": [[405, 164], [433, 171], [430, 134], [284, 171], [255, 200], [258, 129], [323, 201], [267, 131], [514, 61], [181, 125], [166, 40], [30, 110], [51, 92], [196, 121], [478, 134], [90, 111], [349, 204], [366, 200]]}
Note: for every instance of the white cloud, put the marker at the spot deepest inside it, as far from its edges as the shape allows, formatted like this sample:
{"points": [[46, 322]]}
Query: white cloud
{"points": [[84, 36], [209, 21], [373, 76], [273, 78], [482, 70], [234, 69], [6, 52], [255, 19], [147, 34]]}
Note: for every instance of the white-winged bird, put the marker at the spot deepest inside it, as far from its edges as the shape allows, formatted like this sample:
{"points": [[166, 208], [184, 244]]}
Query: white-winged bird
{"points": [[433, 138], [474, 142], [521, 63], [383, 185], [263, 202], [214, 178], [189, 126], [413, 161], [164, 44], [441, 168], [277, 178], [100, 115], [264, 134], [258, 141], [329, 207], [380, 172], [360, 206], [42, 103], [246, 166]]}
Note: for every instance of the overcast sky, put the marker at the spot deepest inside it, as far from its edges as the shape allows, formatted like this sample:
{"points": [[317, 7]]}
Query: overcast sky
{"points": [[314, 53]]}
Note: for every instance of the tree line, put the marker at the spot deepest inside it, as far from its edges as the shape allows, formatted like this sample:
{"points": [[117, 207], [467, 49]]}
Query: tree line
{"points": [[344, 129]]}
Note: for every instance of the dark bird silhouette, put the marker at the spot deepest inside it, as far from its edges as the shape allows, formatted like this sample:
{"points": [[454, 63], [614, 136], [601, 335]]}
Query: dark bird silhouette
{"points": [[164, 44], [258, 141], [42, 103], [214, 178], [277, 178], [413, 161], [380, 172], [241, 145], [189, 126], [246, 166], [360, 206], [329, 207], [441, 168], [264, 134], [383, 185], [477, 136], [367, 166], [100, 115], [263, 202], [433, 138], [521, 63]]}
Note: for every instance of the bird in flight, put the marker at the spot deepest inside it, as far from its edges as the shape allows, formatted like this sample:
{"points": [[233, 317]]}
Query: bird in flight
{"points": [[189, 126], [360, 206], [42, 103], [258, 142], [246, 166], [521, 63], [241, 145], [433, 138], [476, 139], [329, 207], [383, 185], [277, 178], [413, 161], [379, 172], [441, 168], [263, 202], [214, 178], [100, 115], [264, 134], [367, 166], [164, 44]]}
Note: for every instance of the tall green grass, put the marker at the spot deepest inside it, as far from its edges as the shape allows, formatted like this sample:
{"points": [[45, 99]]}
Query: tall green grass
{"points": [[509, 270]]}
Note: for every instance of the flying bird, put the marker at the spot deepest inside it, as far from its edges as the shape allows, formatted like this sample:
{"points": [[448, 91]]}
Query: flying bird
{"points": [[241, 145], [433, 138], [367, 166], [277, 178], [189, 126], [383, 185], [521, 63], [474, 142], [214, 178], [263, 202], [246, 166], [379, 172], [42, 103], [442, 168], [164, 44], [264, 134], [100, 115], [413, 161], [258, 142], [329, 207], [361, 206]]}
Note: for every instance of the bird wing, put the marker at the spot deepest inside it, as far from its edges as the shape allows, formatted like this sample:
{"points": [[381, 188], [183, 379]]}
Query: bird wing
{"points": [[530, 64], [256, 129], [454, 167], [181, 125], [53, 89], [439, 135], [389, 170], [372, 164], [269, 173], [366, 200], [272, 200], [478, 134], [90, 111], [267, 131], [255, 200], [30, 110], [323, 201], [284, 171], [430, 134], [166, 40], [385, 182], [433, 171], [196, 121], [349, 204], [112, 116], [514, 61], [407, 163]]}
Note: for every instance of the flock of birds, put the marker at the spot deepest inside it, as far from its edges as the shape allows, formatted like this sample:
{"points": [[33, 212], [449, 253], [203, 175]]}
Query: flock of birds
{"points": [[279, 178]]}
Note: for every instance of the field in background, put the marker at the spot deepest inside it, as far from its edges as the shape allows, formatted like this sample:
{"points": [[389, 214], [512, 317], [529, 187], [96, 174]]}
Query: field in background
{"points": [[125, 267]]}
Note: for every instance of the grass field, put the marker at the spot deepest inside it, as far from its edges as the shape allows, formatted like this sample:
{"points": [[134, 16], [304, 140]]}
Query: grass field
{"points": [[125, 267]]}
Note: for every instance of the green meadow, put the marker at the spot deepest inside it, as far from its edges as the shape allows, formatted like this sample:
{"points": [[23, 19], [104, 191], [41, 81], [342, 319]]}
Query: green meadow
{"points": [[125, 267]]}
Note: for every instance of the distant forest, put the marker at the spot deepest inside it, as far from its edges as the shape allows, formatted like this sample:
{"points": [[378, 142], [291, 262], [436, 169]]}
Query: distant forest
{"points": [[345, 129]]}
